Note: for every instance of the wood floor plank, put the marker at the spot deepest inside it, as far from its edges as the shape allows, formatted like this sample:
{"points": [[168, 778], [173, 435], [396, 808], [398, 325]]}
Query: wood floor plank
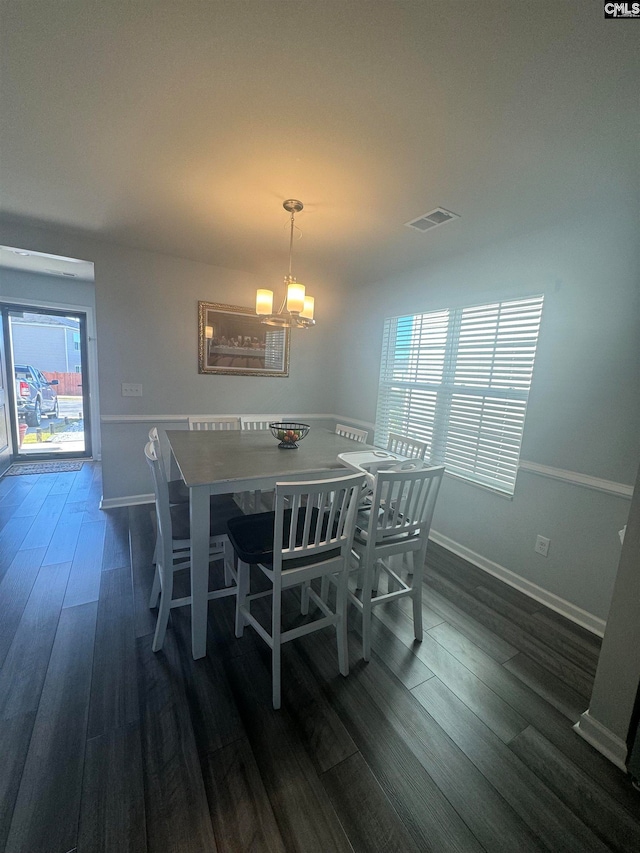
{"points": [[538, 712], [86, 569], [493, 821], [114, 686], [570, 635], [11, 537], [489, 642], [241, 813], [602, 813], [16, 488], [175, 800], [116, 543], [112, 813], [548, 686], [545, 637], [34, 500], [513, 631], [371, 822], [305, 816], [214, 716], [15, 589], [63, 543], [324, 735], [44, 523], [430, 818], [62, 483], [45, 818], [15, 736], [497, 714], [401, 660], [25, 666], [556, 826]]}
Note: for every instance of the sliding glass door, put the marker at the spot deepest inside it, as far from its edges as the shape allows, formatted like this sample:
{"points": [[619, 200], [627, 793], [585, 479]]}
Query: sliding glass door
{"points": [[48, 393]]}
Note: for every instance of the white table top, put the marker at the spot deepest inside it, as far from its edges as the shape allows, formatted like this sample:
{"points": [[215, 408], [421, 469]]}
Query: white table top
{"points": [[232, 460]]}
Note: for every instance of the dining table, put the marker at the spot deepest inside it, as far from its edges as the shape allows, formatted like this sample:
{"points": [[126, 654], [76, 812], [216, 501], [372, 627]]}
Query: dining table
{"points": [[214, 462]]}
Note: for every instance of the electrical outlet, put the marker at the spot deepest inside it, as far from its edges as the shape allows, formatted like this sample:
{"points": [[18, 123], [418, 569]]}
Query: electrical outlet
{"points": [[131, 389], [542, 545]]}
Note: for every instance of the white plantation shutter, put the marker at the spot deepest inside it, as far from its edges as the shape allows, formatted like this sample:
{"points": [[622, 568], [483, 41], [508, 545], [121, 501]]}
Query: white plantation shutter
{"points": [[459, 380]]}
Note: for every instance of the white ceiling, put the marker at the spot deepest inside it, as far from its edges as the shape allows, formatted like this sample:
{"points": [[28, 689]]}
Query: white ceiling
{"points": [[181, 126]]}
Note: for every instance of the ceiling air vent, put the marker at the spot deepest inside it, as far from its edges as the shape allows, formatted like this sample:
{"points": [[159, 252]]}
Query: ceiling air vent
{"points": [[431, 220]]}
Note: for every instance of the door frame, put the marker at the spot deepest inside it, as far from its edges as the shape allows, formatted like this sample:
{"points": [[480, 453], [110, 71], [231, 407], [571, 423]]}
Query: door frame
{"points": [[91, 360]]}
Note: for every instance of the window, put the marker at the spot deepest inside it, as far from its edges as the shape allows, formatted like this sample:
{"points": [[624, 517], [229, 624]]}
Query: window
{"points": [[459, 379]]}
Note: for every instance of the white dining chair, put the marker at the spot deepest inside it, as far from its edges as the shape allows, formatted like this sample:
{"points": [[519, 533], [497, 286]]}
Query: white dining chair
{"points": [[398, 523], [412, 448], [259, 421], [179, 492], [352, 432], [174, 543], [308, 535], [213, 422]]}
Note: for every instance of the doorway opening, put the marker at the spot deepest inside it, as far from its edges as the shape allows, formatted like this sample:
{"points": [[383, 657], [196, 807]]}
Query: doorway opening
{"points": [[47, 382]]}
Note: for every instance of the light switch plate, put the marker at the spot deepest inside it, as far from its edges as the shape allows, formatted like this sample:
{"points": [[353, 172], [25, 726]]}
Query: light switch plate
{"points": [[131, 389]]}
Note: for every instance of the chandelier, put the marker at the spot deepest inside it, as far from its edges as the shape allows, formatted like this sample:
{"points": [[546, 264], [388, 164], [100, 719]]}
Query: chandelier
{"points": [[296, 310]]}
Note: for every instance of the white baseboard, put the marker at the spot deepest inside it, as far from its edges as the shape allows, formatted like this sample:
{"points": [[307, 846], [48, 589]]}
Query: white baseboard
{"points": [[602, 739], [549, 599], [126, 500]]}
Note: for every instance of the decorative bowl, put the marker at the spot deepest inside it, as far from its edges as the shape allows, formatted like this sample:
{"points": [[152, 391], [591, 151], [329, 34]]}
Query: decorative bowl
{"points": [[289, 433]]}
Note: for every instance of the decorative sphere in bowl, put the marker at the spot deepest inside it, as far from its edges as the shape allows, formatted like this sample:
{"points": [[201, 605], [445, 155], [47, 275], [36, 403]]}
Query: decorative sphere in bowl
{"points": [[289, 433]]}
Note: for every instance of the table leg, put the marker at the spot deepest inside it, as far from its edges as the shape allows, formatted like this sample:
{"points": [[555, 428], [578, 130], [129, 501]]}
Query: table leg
{"points": [[199, 516]]}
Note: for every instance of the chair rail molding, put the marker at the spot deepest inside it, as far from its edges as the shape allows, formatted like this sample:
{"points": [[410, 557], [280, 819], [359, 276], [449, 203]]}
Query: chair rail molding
{"points": [[577, 479]]}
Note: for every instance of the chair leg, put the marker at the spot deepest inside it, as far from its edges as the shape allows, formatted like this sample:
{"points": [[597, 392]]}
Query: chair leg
{"points": [[304, 598], [367, 614], [241, 595], [163, 612], [324, 588], [341, 624], [155, 590], [229, 556], [276, 650], [156, 550], [417, 597]]}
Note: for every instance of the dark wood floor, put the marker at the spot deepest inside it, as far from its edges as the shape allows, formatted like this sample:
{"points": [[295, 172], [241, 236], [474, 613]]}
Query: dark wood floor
{"points": [[461, 743]]}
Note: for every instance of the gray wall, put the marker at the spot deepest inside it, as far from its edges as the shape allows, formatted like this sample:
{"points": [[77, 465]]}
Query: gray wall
{"points": [[584, 407]]}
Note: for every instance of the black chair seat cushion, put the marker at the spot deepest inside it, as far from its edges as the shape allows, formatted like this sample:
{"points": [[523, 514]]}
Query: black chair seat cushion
{"points": [[178, 492], [222, 509], [252, 537]]}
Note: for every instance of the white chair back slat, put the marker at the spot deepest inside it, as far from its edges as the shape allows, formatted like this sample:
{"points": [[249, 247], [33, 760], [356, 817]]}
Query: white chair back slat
{"points": [[334, 505], [258, 422], [403, 502], [213, 422], [412, 448], [352, 432]]}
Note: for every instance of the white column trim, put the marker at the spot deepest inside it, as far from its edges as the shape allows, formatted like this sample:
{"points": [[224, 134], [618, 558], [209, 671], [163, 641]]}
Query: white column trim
{"points": [[577, 479], [602, 739]]}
